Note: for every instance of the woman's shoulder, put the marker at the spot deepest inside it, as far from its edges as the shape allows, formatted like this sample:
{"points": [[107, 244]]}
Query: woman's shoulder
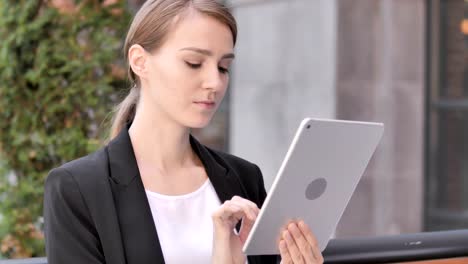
{"points": [[248, 173], [84, 172], [79, 193], [89, 163], [234, 162]]}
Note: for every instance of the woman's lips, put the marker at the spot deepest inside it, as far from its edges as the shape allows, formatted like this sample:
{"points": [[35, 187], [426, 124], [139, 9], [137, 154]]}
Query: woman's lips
{"points": [[206, 104]]}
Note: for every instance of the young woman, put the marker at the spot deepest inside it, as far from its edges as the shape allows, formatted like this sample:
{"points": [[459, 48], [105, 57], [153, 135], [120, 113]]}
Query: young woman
{"points": [[154, 194]]}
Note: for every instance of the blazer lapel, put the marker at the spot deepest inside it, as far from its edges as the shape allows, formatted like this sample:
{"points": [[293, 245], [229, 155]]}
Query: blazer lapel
{"points": [[224, 180], [139, 236]]}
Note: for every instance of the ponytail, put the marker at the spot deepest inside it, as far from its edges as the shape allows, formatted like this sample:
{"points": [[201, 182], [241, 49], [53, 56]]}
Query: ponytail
{"points": [[125, 111]]}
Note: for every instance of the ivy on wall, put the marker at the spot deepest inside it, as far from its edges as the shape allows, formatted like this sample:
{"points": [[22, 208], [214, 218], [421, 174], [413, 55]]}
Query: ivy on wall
{"points": [[60, 70]]}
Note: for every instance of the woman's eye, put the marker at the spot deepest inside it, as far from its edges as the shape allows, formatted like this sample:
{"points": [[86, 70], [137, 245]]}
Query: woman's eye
{"points": [[223, 70], [198, 65], [193, 65]]}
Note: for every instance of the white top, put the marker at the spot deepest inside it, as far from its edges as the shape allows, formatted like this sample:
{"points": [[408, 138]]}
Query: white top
{"points": [[184, 224]]}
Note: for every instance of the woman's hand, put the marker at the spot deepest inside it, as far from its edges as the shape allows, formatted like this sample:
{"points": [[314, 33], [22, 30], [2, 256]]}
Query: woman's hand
{"points": [[227, 244], [299, 245]]}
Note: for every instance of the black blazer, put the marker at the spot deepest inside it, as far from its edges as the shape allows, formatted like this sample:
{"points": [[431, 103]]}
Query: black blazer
{"points": [[96, 210]]}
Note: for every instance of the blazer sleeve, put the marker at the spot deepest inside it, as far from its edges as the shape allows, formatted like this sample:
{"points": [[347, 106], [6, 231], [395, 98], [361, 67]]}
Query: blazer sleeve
{"points": [[70, 234], [264, 259], [261, 187]]}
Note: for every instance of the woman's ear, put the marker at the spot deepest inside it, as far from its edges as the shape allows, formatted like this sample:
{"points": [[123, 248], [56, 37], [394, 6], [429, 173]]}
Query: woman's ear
{"points": [[137, 58]]}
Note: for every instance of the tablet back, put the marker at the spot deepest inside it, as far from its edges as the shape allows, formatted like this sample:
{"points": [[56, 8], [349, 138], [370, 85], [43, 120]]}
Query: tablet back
{"points": [[320, 172]]}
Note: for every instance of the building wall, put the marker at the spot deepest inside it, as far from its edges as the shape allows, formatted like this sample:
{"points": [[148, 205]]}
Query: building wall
{"points": [[284, 71], [380, 77]]}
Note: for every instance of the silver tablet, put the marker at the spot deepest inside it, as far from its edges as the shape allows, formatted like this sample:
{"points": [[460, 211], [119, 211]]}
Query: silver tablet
{"points": [[320, 172]]}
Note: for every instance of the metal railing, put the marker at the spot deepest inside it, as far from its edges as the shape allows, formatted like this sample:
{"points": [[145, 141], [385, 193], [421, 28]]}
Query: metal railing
{"points": [[382, 249], [398, 248], [25, 261]]}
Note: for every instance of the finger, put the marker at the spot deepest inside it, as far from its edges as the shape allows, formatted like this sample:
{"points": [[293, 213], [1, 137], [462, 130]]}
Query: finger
{"points": [[248, 202], [245, 229], [307, 233], [285, 257], [233, 212], [250, 212], [293, 250], [312, 241], [228, 212], [248, 221], [284, 227], [304, 247]]}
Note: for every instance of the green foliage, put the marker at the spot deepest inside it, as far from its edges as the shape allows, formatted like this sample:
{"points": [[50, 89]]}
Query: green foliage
{"points": [[59, 73]]}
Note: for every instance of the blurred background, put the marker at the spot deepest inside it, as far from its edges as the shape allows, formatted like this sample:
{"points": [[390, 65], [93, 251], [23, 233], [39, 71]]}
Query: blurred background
{"points": [[400, 62]]}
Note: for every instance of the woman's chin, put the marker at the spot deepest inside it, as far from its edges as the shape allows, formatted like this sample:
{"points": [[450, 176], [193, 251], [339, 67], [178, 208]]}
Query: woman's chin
{"points": [[199, 122]]}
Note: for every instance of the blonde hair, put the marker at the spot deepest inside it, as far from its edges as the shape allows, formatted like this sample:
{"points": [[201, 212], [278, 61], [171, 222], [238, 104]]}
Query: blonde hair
{"points": [[149, 29]]}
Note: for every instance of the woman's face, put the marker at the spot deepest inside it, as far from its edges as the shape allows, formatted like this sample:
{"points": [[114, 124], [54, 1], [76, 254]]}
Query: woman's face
{"points": [[188, 75]]}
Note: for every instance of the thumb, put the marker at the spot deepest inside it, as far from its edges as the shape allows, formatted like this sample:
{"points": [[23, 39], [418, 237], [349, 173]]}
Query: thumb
{"points": [[246, 227]]}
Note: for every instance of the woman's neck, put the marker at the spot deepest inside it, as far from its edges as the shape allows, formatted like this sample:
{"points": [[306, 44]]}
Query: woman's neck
{"points": [[160, 143]]}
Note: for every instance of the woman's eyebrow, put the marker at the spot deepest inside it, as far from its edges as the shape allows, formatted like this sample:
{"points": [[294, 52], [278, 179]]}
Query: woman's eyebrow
{"points": [[209, 53]]}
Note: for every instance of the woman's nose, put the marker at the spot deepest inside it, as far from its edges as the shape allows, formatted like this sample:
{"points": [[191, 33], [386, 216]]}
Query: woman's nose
{"points": [[214, 80]]}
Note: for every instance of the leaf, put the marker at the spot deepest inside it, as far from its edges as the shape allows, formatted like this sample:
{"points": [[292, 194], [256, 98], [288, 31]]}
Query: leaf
{"points": [[53, 72]]}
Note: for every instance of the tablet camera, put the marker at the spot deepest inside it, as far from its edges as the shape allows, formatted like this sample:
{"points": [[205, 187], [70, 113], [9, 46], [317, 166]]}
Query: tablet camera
{"points": [[316, 188]]}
